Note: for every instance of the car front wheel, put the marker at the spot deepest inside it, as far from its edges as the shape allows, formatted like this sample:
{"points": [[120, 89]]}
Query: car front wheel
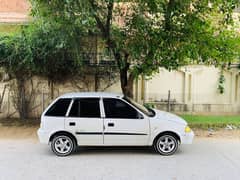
{"points": [[62, 145], [166, 144]]}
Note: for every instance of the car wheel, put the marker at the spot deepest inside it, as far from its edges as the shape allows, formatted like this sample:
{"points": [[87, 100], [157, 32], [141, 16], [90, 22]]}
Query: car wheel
{"points": [[166, 144], [63, 145]]}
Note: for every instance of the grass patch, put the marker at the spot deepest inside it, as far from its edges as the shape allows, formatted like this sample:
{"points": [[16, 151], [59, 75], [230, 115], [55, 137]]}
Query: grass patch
{"points": [[210, 121], [9, 28], [194, 121]]}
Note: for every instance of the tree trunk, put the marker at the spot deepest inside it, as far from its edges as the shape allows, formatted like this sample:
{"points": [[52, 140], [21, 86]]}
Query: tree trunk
{"points": [[21, 99], [125, 79], [51, 84], [126, 83], [96, 80], [122, 59]]}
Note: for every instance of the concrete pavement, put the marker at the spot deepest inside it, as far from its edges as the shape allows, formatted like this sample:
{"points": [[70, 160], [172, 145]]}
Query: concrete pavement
{"points": [[213, 159]]}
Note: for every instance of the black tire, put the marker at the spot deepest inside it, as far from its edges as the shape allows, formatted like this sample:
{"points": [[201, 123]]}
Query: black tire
{"points": [[166, 144], [65, 148]]}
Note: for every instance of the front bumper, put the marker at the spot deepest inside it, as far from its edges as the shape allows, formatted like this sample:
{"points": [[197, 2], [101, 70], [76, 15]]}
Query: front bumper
{"points": [[43, 136], [187, 138]]}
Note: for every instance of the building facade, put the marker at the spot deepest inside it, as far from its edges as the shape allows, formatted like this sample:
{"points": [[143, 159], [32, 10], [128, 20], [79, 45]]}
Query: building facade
{"points": [[193, 88]]}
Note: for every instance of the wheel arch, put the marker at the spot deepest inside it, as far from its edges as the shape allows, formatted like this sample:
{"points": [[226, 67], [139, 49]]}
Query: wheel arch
{"points": [[166, 132], [62, 133]]}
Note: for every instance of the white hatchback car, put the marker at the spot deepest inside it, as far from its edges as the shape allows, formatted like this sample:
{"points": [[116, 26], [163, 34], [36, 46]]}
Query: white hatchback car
{"points": [[107, 119]]}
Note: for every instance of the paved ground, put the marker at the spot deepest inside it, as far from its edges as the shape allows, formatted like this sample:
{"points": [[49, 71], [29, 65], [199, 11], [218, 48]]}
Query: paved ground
{"points": [[207, 158]]}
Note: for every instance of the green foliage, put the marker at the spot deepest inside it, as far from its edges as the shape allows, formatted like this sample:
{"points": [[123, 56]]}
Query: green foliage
{"points": [[184, 34], [46, 49], [149, 105], [155, 33], [16, 55], [55, 54]]}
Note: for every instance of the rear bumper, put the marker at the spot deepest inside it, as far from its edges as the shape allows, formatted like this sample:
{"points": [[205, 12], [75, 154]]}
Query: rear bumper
{"points": [[187, 138], [43, 136]]}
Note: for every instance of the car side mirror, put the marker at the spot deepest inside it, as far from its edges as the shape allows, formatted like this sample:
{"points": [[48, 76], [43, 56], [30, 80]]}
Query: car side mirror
{"points": [[140, 116]]}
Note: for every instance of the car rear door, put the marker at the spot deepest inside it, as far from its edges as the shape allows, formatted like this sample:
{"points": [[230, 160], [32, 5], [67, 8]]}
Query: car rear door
{"points": [[123, 124], [85, 122]]}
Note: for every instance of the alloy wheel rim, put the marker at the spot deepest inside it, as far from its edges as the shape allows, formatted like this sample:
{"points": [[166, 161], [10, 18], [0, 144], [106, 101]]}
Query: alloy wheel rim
{"points": [[63, 145], [166, 144]]}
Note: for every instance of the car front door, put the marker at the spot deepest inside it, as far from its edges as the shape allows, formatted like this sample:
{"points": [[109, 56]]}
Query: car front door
{"points": [[85, 122], [123, 124]]}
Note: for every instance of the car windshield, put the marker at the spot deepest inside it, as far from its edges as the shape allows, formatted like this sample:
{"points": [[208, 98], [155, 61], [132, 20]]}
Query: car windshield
{"points": [[147, 111]]}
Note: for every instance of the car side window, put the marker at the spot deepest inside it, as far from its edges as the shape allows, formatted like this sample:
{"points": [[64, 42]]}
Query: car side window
{"points": [[116, 108], [59, 108], [85, 107]]}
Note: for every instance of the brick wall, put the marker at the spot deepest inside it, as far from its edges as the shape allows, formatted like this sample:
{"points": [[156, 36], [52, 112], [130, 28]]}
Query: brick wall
{"points": [[14, 11], [20, 6]]}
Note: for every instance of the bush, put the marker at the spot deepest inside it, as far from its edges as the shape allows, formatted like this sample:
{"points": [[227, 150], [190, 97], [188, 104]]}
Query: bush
{"points": [[43, 49]]}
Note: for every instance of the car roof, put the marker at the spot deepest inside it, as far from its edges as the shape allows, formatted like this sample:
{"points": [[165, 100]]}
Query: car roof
{"points": [[91, 94]]}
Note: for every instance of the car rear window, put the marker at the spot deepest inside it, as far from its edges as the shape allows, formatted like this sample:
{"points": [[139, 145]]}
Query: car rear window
{"points": [[59, 108]]}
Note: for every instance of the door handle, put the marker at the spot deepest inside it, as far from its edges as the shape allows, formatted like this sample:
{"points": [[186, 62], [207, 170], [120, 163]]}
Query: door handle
{"points": [[110, 124], [72, 124]]}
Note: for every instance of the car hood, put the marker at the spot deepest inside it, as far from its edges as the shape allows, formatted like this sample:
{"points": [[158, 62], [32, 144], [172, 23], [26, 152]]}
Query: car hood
{"points": [[162, 115]]}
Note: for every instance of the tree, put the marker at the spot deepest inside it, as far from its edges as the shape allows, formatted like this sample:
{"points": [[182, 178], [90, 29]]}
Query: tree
{"points": [[42, 49], [144, 35], [16, 59]]}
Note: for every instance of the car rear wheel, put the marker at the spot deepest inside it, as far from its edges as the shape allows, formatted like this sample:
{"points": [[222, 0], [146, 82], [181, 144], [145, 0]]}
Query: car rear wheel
{"points": [[166, 144], [63, 145]]}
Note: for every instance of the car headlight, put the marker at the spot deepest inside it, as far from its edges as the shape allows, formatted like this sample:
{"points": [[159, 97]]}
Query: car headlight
{"points": [[187, 129]]}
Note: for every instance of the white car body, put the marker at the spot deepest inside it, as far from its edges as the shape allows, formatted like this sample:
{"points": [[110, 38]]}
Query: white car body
{"points": [[102, 131]]}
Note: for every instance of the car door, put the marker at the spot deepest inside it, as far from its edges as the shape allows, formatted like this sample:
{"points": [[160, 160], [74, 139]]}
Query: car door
{"points": [[123, 124], [85, 122]]}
